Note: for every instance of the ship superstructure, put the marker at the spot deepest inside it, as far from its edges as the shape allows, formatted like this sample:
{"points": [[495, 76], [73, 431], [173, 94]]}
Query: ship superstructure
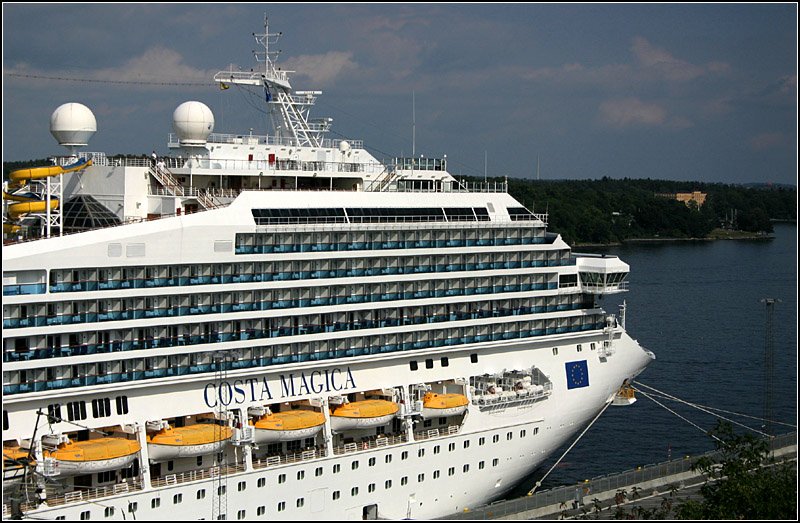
{"points": [[283, 326]]}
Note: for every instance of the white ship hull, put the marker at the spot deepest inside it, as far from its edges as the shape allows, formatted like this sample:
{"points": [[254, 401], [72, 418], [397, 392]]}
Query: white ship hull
{"points": [[314, 276]]}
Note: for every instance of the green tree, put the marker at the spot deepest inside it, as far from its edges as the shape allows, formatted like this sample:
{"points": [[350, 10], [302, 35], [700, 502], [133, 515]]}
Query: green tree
{"points": [[740, 486]]}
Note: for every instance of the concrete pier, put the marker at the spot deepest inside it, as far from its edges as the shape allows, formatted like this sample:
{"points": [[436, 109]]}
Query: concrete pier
{"points": [[650, 482]]}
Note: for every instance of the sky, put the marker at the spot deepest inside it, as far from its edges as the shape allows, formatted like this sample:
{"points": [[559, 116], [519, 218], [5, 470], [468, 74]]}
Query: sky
{"points": [[691, 92]]}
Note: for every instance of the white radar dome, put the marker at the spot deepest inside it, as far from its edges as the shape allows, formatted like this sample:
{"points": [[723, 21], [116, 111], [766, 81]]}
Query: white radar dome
{"points": [[72, 124], [193, 122], [344, 146]]}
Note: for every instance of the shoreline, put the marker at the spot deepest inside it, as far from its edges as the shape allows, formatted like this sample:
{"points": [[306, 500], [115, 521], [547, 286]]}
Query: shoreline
{"points": [[716, 235]]}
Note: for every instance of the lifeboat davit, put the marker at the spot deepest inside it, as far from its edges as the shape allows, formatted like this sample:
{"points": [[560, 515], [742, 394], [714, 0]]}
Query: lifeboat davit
{"points": [[96, 455], [443, 405], [363, 414], [288, 425], [14, 459], [187, 442]]}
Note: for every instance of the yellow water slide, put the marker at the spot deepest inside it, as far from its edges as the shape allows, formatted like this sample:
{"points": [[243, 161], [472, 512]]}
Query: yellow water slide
{"points": [[28, 202]]}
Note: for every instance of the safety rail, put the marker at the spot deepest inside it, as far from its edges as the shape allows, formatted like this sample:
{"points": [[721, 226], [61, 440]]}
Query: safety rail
{"points": [[372, 443], [435, 433], [285, 459], [77, 496], [195, 475]]}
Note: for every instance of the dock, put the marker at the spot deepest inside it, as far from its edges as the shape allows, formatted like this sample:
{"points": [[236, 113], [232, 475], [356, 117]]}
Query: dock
{"points": [[651, 482]]}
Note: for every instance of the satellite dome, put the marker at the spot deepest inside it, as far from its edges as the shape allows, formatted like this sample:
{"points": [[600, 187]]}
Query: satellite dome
{"points": [[193, 121], [344, 146], [72, 124]]}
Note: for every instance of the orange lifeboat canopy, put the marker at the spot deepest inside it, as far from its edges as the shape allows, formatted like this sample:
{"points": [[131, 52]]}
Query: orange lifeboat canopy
{"points": [[96, 455]]}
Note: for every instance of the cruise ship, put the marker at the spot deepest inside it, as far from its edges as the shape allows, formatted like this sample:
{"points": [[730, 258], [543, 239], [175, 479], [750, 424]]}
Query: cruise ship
{"points": [[282, 326]]}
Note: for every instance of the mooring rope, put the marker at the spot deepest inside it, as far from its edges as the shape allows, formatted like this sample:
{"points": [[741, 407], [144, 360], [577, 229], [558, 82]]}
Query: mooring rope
{"points": [[539, 483]]}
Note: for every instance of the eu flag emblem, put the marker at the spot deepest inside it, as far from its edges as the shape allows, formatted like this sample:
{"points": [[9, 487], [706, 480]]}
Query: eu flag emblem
{"points": [[577, 374]]}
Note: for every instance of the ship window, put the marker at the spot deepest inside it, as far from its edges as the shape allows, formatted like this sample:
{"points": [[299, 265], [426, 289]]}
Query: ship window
{"points": [[155, 502], [281, 506], [76, 410], [451, 471], [371, 462], [241, 514], [495, 462], [536, 431], [495, 438], [261, 510], [442, 421], [420, 478], [387, 484], [445, 362], [122, 404], [300, 502], [53, 414], [591, 346], [336, 495], [85, 515], [473, 358], [436, 449], [282, 477], [177, 498], [199, 460], [318, 471], [466, 443], [133, 506], [436, 474], [101, 408], [481, 441], [222, 489], [262, 482], [481, 465], [388, 458], [354, 491], [371, 487], [354, 465], [429, 363], [105, 477], [580, 348], [404, 454], [301, 474], [337, 468], [466, 468], [201, 493], [451, 447], [509, 435], [61, 518], [420, 453], [413, 365], [242, 486], [109, 512], [555, 351], [404, 480]]}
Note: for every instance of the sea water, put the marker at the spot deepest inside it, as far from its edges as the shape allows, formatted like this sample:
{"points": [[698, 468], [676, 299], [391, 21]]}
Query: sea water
{"points": [[698, 306]]}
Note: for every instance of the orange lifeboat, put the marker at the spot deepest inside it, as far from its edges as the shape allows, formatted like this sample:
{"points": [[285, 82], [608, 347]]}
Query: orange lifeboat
{"points": [[96, 455], [288, 425], [363, 414], [186, 442], [442, 405]]}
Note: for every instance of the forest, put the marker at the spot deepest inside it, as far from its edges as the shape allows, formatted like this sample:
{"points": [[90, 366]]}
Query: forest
{"points": [[611, 211]]}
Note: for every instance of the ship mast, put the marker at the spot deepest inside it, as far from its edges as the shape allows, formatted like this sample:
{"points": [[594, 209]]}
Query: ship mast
{"points": [[290, 108]]}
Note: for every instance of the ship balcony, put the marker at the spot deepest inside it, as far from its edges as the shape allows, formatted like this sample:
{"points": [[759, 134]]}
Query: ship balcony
{"points": [[602, 274]]}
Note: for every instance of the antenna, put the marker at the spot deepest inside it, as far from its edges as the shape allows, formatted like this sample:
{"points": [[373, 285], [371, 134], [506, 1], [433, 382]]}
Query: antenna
{"points": [[537, 167], [485, 165]]}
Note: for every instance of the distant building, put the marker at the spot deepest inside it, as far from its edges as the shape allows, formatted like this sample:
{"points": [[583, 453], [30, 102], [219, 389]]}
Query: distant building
{"points": [[697, 197]]}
